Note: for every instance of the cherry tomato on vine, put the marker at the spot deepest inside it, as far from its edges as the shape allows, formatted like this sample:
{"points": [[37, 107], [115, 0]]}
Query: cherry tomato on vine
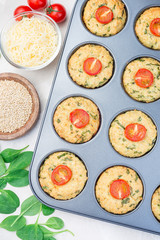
{"points": [[37, 4], [22, 9], [57, 12]]}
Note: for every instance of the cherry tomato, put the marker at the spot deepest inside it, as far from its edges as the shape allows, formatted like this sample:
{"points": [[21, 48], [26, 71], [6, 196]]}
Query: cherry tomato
{"points": [[37, 4], [155, 27], [22, 9], [57, 12], [61, 175], [135, 132], [144, 78], [79, 118], [104, 15], [119, 189], [92, 66]]}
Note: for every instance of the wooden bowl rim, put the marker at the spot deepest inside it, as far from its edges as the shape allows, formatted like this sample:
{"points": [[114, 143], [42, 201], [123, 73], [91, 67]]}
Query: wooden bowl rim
{"points": [[35, 107]]}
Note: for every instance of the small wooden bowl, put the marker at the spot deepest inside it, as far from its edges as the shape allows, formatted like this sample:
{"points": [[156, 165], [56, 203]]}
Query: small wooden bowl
{"points": [[35, 107]]}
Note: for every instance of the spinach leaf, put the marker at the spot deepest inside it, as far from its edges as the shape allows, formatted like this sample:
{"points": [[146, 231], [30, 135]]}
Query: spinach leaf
{"points": [[49, 234], [3, 183], [2, 166], [10, 224], [30, 232], [47, 210], [9, 201], [21, 162], [10, 154], [31, 206], [18, 178], [55, 223]]}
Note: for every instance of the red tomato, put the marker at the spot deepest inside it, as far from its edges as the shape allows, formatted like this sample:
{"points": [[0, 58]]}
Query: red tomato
{"points": [[92, 66], [37, 4], [144, 78], [104, 15], [61, 175], [79, 118], [119, 189], [57, 12], [155, 27], [22, 9], [135, 132]]}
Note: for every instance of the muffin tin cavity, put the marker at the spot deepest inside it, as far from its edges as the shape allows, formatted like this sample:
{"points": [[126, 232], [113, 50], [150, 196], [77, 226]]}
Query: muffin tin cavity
{"points": [[125, 126], [91, 65], [94, 17], [76, 119], [145, 28], [69, 166], [141, 79], [119, 190], [155, 203]]}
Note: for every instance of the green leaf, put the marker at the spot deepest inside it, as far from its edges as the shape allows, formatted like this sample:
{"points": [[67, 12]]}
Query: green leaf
{"points": [[18, 178], [2, 166], [31, 206], [9, 201], [10, 154], [3, 183], [55, 223], [47, 210], [21, 162], [10, 224], [49, 234], [30, 232]]}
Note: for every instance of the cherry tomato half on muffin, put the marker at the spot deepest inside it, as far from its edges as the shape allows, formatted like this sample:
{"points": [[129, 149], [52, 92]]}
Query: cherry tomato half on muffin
{"points": [[104, 15], [79, 118], [61, 175], [135, 132], [92, 66], [144, 78], [57, 12], [37, 4], [119, 189], [22, 9], [155, 27]]}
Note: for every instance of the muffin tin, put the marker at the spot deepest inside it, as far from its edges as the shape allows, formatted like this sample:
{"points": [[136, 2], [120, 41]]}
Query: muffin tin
{"points": [[111, 99]]}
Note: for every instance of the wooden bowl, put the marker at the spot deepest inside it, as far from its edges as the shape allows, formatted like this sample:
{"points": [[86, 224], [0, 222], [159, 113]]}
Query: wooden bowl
{"points": [[35, 106]]}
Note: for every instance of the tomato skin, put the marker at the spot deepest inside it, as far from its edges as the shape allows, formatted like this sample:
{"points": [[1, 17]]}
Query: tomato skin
{"points": [[37, 4], [119, 189], [57, 12], [155, 27], [79, 118], [61, 175], [144, 78], [135, 132], [22, 9], [87, 65], [101, 17]]}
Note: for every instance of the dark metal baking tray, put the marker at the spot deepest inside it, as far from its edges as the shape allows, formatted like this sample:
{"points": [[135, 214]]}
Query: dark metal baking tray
{"points": [[111, 99]]}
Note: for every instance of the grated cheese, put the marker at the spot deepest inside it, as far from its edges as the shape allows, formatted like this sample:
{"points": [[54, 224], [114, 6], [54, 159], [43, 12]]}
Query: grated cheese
{"points": [[31, 41]]}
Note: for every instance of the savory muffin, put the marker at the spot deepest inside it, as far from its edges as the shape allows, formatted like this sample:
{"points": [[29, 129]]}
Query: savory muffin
{"points": [[119, 190], [104, 17], [76, 119], [147, 28], [155, 203], [62, 175], [132, 134], [91, 66], [141, 79]]}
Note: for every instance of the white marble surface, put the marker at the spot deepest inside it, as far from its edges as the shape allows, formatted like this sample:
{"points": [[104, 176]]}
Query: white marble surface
{"points": [[83, 228]]}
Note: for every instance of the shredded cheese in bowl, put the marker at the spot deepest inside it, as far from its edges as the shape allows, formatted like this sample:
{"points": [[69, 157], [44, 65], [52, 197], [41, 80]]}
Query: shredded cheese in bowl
{"points": [[32, 42]]}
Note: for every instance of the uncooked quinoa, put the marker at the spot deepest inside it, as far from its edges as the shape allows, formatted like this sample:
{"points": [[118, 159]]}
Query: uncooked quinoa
{"points": [[15, 105]]}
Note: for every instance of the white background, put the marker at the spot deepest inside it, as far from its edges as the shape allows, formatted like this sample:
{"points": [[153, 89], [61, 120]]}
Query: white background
{"points": [[83, 228]]}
